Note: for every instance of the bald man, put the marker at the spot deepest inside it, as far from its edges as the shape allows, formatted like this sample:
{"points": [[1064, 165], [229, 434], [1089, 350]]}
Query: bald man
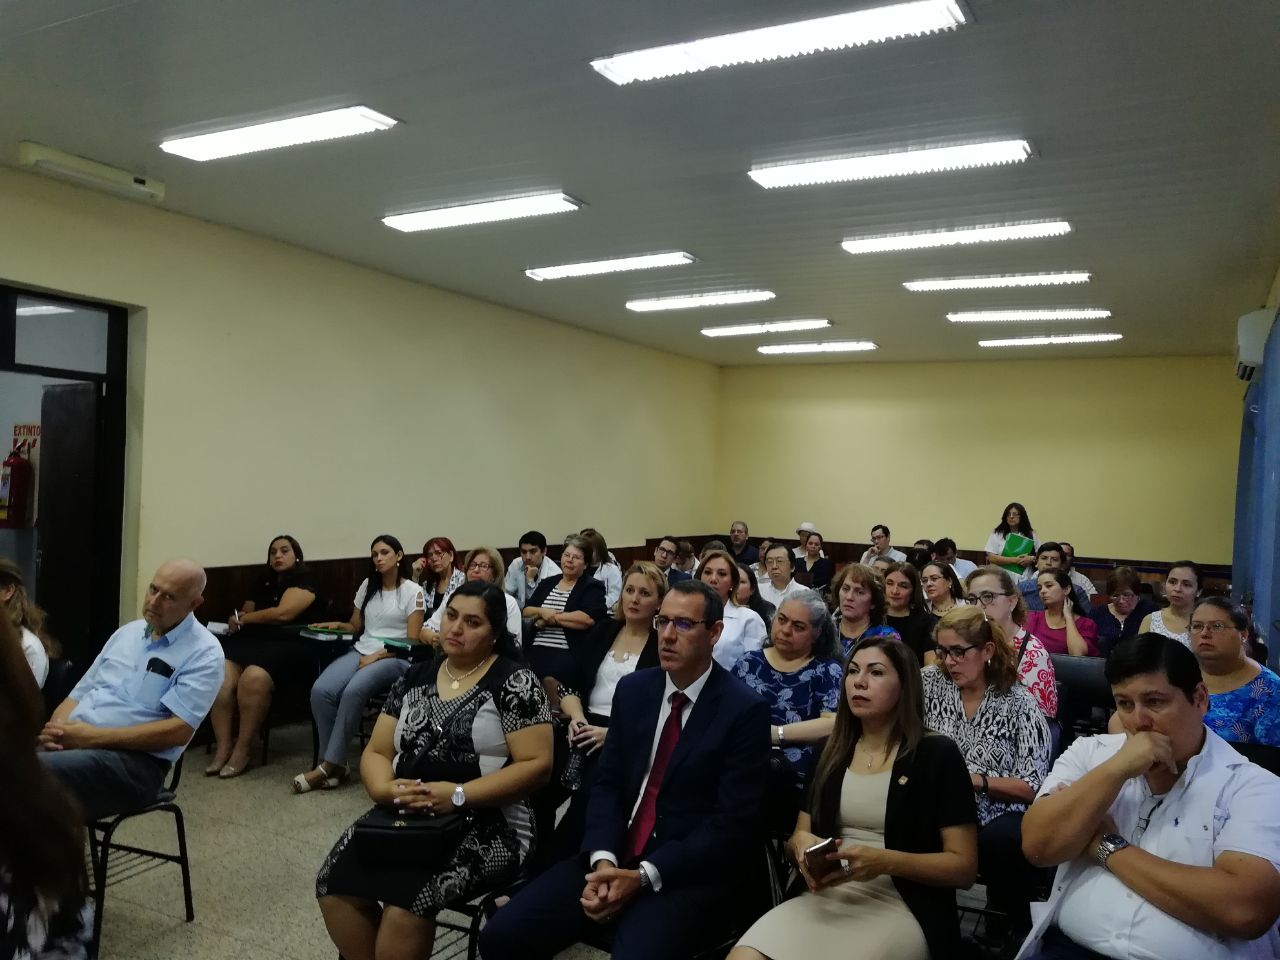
{"points": [[113, 740]]}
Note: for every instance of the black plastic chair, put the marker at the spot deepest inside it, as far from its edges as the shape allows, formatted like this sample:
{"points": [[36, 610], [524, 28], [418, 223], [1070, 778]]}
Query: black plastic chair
{"points": [[101, 846], [1264, 755], [58, 684], [1085, 702]]}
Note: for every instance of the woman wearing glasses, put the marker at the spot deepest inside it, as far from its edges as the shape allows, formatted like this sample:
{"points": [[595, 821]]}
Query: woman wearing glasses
{"points": [[992, 590], [973, 697], [1242, 694], [1058, 626], [860, 607], [483, 565], [743, 629], [942, 590], [1120, 617], [435, 571]]}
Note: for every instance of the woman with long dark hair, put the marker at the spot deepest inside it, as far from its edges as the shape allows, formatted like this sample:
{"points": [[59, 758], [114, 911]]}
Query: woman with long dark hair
{"points": [[43, 887], [943, 591], [259, 652], [1017, 556], [37, 646], [904, 609], [896, 800], [749, 594], [460, 746], [388, 606]]}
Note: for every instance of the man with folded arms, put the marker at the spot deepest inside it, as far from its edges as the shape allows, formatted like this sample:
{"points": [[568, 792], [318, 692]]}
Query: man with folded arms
{"points": [[674, 808], [1168, 840], [127, 721]]}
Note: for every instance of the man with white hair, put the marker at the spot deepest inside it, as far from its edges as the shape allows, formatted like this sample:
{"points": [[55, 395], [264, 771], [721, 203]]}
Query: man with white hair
{"points": [[127, 721]]}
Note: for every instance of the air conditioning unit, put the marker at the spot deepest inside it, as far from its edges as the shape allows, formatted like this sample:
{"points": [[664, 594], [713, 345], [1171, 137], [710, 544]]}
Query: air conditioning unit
{"points": [[1251, 341]]}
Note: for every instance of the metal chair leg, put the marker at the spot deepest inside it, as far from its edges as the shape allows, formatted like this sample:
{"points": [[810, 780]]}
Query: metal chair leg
{"points": [[184, 863]]}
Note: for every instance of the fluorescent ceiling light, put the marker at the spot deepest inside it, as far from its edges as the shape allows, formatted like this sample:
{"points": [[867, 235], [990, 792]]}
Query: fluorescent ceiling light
{"points": [[768, 326], [998, 282], [647, 262], [314, 127], [785, 40], [828, 346], [43, 310], [1005, 316], [898, 164], [693, 300], [490, 210], [959, 237], [1052, 341]]}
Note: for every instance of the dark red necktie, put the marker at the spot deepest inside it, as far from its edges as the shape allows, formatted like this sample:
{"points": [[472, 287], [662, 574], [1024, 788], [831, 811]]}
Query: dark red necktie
{"points": [[647, 813]]}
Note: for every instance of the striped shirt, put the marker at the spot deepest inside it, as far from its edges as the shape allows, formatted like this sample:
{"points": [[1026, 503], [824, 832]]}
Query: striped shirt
{"points": [[553, 636]]}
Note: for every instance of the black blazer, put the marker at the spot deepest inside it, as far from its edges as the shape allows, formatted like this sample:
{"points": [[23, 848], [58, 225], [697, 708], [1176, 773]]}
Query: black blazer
{"points": [[590, 652], [930, 789], [587, 595], [818, 577], [711, 802]]}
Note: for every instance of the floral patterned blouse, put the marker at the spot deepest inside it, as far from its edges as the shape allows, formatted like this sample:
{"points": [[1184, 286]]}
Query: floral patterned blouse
{"points": [[794, 697], [1248, 714], [1035, 672]]}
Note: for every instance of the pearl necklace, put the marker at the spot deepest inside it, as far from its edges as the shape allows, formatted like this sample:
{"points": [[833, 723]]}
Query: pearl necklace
{"points": [[458, 680]]}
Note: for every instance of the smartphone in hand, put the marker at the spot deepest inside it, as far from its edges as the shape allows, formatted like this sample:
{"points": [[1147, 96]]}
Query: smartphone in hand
{"points": [[815, 858]]}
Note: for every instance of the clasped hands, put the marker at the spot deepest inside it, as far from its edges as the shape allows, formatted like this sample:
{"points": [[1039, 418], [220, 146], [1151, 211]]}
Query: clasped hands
{"points": [[608, 891], [65, 735], [415, 796]]}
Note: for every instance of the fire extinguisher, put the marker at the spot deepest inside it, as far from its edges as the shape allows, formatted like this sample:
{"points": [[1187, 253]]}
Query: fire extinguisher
{"points": [[16, 485]]}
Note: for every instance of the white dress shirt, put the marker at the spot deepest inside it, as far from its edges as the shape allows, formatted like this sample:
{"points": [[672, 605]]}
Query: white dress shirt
{"points": [[743, 631], [870, 556], [1083, 582], [692, 691], [518, 585], [775, 596], [1221, 802]]}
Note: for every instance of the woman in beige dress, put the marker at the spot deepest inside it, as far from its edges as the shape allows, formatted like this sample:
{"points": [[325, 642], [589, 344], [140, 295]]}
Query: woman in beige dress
{"points": [[897, 800]]}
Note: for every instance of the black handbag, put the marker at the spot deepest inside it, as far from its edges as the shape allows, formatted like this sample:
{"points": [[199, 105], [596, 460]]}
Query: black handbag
{"points": [[387, 838]]}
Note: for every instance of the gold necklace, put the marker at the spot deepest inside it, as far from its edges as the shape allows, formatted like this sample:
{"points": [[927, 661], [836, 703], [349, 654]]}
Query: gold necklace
{"points": [[872, 757], [458, 680]]}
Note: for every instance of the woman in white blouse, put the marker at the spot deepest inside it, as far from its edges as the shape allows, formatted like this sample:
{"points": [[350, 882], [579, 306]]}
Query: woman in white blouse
{"points": [[614, 649], [37, 646], [743, 628], [388, 606]]}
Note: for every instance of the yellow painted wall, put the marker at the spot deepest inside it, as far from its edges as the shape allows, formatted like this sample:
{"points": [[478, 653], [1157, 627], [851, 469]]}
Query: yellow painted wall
{"points": [[274, 389], [1130, 458]]}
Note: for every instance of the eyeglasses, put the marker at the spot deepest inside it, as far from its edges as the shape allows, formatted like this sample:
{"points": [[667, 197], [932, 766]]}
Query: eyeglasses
{"points": [[775, 561], [436, 554], [1214, 627], [929, 581], [877, 537], [682, 624], [953, 653], [665, 552], [479, 565], [985, 597]]}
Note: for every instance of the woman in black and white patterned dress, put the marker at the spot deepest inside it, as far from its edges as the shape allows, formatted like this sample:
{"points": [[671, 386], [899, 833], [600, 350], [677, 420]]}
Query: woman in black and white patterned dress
{"points": [[973, 696], [475, 708]]}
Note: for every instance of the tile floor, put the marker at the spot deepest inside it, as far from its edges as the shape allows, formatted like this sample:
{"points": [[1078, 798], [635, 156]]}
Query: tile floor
{"points": [[255, 849]]}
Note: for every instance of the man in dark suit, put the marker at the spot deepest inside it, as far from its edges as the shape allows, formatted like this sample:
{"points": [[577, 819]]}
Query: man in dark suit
{"points": [[674, 808], [664, 555]]}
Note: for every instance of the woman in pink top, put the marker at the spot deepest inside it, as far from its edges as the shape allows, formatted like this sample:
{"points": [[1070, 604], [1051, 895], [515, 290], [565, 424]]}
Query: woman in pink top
{"points": [[992, 590], [1058, 626]]}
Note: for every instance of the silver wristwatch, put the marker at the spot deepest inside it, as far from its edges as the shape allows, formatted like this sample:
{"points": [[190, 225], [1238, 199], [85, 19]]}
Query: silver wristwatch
{"points": [[459, 797], [644, 879], [1109, 844]]}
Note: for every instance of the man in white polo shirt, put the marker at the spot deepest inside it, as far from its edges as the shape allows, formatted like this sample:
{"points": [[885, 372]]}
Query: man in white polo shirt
{"points": [[1168, 840]]}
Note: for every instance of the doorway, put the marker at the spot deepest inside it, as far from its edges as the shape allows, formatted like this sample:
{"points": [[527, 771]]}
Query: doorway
{"points": [[62, 418]]}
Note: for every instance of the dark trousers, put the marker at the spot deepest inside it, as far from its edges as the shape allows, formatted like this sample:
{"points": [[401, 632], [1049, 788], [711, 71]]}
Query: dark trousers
{"points": [[546, 917], [1056, 945], [1009, 878], [107, 782]]}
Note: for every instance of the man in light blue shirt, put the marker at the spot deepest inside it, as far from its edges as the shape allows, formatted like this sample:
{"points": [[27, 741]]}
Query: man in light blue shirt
{"points": [[112, 741]]}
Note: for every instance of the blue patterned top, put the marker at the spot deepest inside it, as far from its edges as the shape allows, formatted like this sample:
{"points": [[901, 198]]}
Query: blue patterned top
{"points": [[794, 697], [1248, 714], [879, 631]]}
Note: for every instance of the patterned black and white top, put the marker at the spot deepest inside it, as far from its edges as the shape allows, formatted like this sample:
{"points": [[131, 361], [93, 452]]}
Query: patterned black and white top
{"points": [[553, 636], [29, 932], [1007, 737]]}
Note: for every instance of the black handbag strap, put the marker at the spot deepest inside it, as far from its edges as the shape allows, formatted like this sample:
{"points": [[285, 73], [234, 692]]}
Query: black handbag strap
{"points": [[1022, 648]]}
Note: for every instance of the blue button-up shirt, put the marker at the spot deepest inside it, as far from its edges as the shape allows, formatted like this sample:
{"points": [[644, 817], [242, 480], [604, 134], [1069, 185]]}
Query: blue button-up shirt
{"points": [[124, 688]]}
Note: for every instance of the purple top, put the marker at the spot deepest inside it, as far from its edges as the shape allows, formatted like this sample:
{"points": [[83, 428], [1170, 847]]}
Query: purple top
{"points": [[1055, 639]]}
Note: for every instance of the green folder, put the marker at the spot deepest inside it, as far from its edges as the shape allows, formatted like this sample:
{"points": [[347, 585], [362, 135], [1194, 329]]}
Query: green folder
{"points": [[1016, 545], [396, 642]]}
